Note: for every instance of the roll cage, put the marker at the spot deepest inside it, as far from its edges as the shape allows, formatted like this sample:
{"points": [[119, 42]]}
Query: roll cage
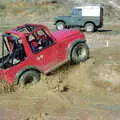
{"points": [[12, 51]]}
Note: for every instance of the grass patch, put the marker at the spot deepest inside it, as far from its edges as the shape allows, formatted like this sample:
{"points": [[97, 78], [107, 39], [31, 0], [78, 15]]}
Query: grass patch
{"points": [[17, 8]]}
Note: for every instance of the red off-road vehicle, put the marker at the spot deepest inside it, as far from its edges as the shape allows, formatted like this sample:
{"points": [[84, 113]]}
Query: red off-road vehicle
{"points": [[31, 49]]}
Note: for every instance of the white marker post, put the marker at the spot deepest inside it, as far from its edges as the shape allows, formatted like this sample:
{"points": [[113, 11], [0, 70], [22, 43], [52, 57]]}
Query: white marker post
{"points": [[107, 43]]}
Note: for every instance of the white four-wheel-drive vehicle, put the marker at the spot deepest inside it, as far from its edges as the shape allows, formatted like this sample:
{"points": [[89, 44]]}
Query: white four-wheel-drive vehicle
{"points": [[89, 17]]}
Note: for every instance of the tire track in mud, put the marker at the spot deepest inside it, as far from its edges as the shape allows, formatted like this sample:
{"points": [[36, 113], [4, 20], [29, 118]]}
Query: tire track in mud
{"points": [[45, 95]]}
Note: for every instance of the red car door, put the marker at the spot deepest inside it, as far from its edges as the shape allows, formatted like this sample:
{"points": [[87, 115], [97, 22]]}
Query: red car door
{"points": [[46, 52], [48, 57]]}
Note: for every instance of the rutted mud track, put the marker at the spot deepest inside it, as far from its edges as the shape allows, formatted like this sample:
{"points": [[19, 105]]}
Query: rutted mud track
{"points": [[73, 91]]}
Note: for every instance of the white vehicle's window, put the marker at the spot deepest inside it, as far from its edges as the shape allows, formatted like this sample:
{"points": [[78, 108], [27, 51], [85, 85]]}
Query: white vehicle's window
{"points": [[76, 12], [80, 12]]}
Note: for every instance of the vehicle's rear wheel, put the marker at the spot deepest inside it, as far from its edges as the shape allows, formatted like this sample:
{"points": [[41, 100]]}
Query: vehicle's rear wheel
{"points": [[30, 77], [89, 27], [60, 26], [80, 52]]}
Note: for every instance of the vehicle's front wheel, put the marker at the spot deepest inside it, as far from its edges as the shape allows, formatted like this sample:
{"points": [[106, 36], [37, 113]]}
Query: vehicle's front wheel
{"points": [[89, 27], [80, 52], [60, 26], [30, 77]]}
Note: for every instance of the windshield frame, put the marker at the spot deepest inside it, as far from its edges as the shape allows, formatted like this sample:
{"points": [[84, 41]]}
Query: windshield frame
{"points": [[9, 45]]}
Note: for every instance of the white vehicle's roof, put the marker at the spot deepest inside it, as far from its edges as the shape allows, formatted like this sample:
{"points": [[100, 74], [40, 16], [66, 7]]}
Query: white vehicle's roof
{"points": [[90, 10], [88, 6]]}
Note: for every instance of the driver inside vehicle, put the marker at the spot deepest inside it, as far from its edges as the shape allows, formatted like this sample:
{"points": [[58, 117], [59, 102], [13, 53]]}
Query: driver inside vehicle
{"points": [[36, 45], [18, 51]]}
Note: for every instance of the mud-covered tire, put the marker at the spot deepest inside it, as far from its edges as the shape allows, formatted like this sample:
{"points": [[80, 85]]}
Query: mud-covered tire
{"points": [[80, 53], [60, 25], [90, 27], [30, 77]]}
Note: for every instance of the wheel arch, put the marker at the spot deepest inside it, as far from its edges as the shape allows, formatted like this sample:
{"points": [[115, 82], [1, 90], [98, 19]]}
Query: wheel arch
{"points": [[70, 47], [90, 22], [20, 73], [60, 21]]}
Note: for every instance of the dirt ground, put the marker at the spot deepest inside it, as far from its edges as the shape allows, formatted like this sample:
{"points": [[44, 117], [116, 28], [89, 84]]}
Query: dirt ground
{"points": [[87, 91]]}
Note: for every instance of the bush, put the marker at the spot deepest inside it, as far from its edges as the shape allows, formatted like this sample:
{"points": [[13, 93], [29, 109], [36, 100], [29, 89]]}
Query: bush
{"points": [[2, 6]]}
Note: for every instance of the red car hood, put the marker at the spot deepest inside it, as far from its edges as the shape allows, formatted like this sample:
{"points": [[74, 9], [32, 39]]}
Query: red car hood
{"points": [[68, 33]]}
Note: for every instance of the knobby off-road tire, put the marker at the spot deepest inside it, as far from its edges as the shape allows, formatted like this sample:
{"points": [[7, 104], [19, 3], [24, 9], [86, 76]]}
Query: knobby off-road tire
{"points": [[80, 53], [60, 26], [90, 27], [30, 77]]}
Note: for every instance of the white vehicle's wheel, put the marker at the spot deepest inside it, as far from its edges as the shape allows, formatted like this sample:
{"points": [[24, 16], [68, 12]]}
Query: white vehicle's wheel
{"points": [[60, 26], [89, 27]]}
